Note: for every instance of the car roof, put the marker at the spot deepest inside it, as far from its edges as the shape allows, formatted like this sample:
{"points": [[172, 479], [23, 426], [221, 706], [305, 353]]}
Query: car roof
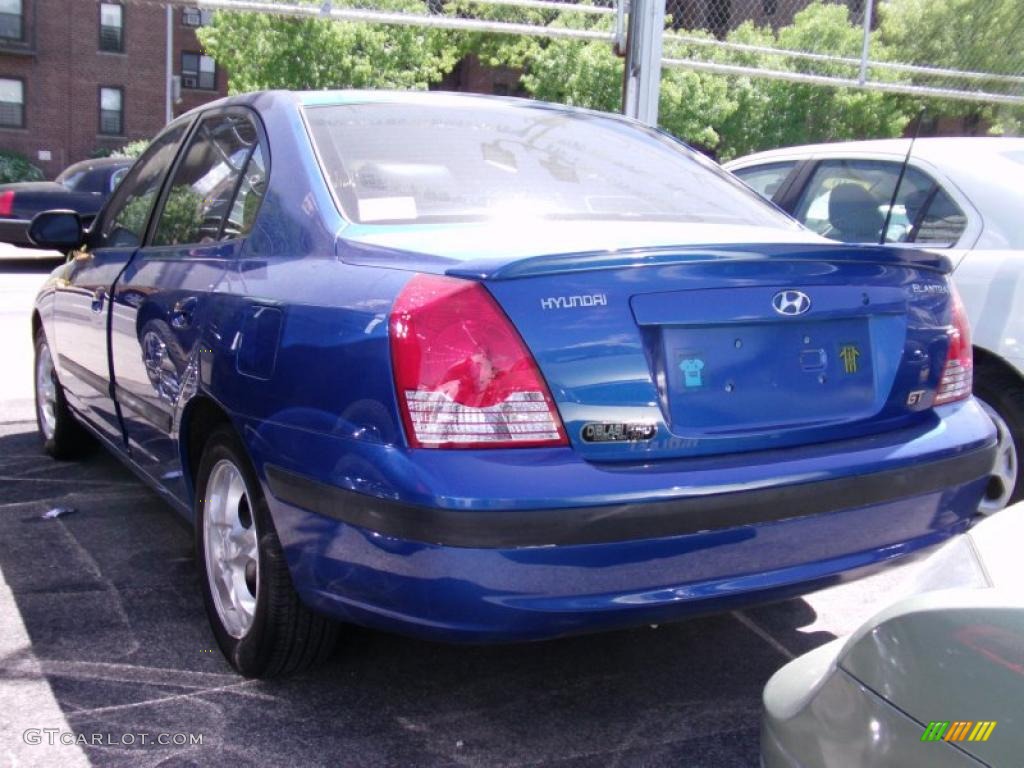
{"points": [[98, 162], [938, 150], [261, 100]]}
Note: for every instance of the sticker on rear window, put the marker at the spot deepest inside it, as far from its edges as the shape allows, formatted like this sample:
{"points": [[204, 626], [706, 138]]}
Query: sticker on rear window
{"points": [[387, 209]]}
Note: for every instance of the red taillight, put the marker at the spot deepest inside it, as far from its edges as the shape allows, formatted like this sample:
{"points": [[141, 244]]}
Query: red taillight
{"points": [[6, 202], [464, 377], [959, 369]]}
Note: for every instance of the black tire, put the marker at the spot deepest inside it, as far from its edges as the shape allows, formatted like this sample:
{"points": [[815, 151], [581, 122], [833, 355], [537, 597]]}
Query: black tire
{"points": [[1004, 393], [68, 439], [284, 636]]}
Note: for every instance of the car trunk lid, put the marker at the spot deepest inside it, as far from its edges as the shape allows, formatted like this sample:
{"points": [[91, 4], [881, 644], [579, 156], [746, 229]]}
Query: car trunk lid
{"points": [[695, 351]]}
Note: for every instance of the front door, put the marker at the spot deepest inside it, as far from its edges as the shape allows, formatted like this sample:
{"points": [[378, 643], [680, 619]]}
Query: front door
{"points": [[164, 295], [82, 300]]}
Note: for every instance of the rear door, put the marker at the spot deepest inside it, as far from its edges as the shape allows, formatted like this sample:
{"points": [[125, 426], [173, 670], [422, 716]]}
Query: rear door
{"points": [[163, 296], [82, 300]]}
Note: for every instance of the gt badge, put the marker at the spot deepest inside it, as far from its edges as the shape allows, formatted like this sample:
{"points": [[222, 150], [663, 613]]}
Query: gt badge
{"points": [[611, 432], [915, 397], [849, 354]]}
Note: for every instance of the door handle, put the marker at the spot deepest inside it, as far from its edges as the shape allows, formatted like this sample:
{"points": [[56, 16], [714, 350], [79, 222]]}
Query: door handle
{"points": [[97, 299], [181, 315]]}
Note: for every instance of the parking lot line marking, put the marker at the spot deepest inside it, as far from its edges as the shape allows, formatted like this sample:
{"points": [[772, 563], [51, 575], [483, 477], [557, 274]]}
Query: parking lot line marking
{"points": [[125, 673], [73, 481], [78, 498], [86, 714], [28, 702], [763, 633]]}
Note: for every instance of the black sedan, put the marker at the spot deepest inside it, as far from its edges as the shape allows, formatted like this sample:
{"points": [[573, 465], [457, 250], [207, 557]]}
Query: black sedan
{"points": [[82, 187]]}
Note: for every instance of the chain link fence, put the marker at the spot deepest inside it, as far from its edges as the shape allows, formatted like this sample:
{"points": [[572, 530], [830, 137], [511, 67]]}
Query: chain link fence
{"points": [[736, 75], [959, 49]]}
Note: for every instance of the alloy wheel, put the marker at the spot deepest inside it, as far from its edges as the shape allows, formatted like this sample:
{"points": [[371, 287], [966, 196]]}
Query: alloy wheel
{"points": [[231, 548]]}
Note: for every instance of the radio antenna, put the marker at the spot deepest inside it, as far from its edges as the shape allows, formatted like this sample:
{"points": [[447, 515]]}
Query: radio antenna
{"points": [[899, 179]]}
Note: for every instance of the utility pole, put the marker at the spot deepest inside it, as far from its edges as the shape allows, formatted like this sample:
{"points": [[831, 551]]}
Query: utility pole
{"points": [[869, 8], [641, 77], [169, 67]]}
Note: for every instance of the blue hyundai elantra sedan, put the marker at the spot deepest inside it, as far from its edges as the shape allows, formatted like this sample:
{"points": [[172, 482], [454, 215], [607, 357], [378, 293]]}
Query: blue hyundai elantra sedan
{"points": [[484, 369]]}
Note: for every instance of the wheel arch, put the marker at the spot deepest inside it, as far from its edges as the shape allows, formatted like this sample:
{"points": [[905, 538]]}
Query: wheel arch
{"points": [[200, 418], [987, 358]]}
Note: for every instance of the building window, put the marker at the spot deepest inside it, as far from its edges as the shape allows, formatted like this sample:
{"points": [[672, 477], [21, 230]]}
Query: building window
{"points": [[112, 111], [12, 103], [12, 26], [112, 27], [198, 71], [196, 17]]}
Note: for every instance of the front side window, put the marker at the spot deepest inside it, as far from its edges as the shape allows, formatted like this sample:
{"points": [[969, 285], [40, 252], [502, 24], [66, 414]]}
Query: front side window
{"points": [[12, 20], [767, 179], [12, 103], [198, 71], [112, 111], [404, 163], [112, 27], [202, 205], [847, 200], [125, 219]]}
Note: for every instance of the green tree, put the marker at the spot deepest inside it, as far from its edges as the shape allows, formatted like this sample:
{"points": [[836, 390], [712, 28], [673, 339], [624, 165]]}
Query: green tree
{"points": [[14, 166], [589, 74], [959, 34], [262, 51], [778, 113]]}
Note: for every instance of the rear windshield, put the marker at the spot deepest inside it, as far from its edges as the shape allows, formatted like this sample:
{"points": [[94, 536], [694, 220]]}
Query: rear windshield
{"points": [[409, 163]]}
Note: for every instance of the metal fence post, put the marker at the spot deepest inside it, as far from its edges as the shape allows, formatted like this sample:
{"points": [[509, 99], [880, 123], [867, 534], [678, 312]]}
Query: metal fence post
{"points": [[641, 76], [869, 8]]}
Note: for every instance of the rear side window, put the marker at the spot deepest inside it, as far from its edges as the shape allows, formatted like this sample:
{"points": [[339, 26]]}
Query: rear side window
{"points": [[416, 163], [847, 200], [767, 179], [200, 206]]}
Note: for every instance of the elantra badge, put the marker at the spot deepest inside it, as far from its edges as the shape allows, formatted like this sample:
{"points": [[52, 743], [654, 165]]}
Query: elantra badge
{"points": [[791, 302]]}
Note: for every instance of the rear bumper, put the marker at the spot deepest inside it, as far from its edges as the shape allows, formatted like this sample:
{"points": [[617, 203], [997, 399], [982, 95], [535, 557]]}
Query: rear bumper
{"points": [[572, 526], [754, 528]]}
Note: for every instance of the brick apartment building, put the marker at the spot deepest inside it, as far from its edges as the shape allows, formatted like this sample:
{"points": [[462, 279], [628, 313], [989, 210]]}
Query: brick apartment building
{"points": [[82, 76]]}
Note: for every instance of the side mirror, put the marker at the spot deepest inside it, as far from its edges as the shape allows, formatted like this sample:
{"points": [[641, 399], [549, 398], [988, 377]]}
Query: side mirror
{"points": [[57, 230]]}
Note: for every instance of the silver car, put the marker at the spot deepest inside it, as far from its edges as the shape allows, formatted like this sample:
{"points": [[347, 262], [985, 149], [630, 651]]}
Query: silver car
{"points": [[935, 679], [964, 196]]}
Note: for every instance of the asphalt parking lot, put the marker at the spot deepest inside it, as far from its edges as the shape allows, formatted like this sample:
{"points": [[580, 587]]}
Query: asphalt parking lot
{"points": [[103, 635]]}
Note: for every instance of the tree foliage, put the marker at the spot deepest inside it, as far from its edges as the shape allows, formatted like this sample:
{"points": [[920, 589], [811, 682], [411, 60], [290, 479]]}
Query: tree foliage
{"points": [[959, 34], [262, 51], [726, 115], [776, 113], [14, 166]]}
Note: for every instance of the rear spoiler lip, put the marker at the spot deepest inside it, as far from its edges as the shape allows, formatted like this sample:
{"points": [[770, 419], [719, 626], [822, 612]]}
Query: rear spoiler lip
{"points": [[498, 268], [690, 254]]}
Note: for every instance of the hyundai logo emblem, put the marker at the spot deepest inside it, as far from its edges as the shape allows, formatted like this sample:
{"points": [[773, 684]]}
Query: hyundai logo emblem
{"points": [[791, 302]]}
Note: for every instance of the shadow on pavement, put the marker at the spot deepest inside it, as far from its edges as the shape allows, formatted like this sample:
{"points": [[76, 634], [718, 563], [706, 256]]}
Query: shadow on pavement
{"points": [[110, 599]]}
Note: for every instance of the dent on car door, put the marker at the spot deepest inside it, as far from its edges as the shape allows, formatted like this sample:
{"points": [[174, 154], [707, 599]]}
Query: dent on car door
{"points": [[82, 301], [848, 200], [163, 297]]}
